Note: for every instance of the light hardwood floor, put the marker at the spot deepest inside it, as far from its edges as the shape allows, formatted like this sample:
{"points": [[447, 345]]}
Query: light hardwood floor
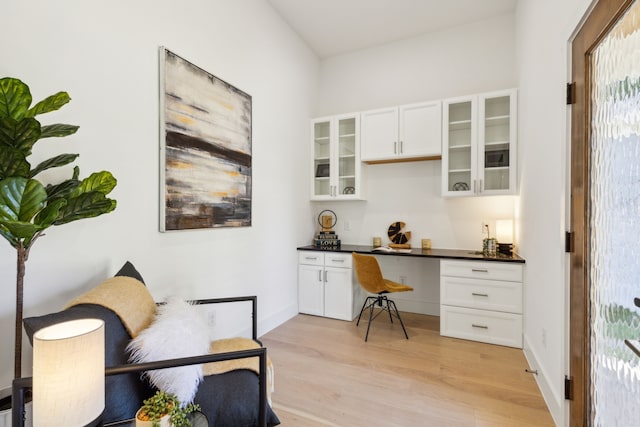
{"points": [[326, 375]]}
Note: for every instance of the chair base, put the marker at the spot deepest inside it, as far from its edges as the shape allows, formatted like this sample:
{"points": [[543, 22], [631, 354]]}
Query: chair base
{"points": [[385, 304]]}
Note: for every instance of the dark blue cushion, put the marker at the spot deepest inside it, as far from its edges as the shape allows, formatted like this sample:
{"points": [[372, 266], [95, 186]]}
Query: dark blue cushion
{"points": [[231, 400], [128, 270]]}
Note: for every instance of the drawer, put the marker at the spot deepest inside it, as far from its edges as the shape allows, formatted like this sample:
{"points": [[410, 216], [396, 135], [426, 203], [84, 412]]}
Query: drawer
{"points": [[337, 259], [311, 258], [482, 270], [483, 294], [481, 325]]}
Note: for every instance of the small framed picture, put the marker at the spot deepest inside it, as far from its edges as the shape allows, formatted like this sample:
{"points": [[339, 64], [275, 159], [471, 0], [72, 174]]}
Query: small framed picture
{"points": [[322, 171]]}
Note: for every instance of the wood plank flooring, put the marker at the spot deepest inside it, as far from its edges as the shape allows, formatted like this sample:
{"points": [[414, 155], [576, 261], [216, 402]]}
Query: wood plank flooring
{"points": [[326, 375]]}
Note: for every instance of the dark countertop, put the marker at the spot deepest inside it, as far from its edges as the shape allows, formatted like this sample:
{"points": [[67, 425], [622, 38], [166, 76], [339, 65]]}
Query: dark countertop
{"points": [[466, 254]]}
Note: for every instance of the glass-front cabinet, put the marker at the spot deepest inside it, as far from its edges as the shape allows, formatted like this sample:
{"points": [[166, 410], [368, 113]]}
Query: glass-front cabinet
{"points": [[479, 145], [335, 164]]}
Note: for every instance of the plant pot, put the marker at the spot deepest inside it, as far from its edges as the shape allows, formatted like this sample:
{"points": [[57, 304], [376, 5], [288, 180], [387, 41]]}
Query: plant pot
{"points": [[164, 421]]}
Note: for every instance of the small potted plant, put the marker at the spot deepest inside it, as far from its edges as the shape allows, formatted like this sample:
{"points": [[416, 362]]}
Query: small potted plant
{"points": [[164, 410]]}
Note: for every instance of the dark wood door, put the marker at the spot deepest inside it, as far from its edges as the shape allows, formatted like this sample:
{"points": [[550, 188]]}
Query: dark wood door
{"points": [[603, 17]]}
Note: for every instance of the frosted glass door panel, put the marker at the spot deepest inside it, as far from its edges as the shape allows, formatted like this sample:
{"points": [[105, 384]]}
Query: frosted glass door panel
{"points": [[614, 224]]}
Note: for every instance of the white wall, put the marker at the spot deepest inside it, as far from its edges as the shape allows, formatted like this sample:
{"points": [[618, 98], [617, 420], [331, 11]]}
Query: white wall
{"points": [[105, 55], [473, 58], [544, 28]]}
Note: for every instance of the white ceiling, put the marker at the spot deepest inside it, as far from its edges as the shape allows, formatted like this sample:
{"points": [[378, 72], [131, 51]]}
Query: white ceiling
{"points": [[331, 27]]}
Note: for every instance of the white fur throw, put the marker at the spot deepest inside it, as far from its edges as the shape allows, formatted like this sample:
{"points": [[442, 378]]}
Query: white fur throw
{"points": [[178, 330]]}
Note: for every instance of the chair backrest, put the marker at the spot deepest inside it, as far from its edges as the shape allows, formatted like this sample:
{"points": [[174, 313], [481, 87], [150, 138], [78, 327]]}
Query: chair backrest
{"points": [[368, 273]]}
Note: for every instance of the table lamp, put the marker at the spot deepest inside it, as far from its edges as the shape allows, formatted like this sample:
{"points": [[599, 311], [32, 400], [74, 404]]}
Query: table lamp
{"points": [[504, 235], [68, 374]]}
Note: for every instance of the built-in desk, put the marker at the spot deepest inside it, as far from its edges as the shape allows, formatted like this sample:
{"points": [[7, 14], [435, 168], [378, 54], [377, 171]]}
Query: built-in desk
{"points": [[477, 297], [462, 254]]}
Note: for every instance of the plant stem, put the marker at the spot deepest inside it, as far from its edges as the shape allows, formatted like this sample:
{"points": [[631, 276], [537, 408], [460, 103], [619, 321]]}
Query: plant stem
{"points": [[23, 253]]}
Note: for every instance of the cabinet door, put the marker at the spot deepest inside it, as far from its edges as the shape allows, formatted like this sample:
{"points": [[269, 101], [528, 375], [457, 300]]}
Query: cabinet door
{"points": [[379, 134], [311, 289], [459, 146], [321, 131], [338, 293], [497, 143], [346, 157], [420, 130]]}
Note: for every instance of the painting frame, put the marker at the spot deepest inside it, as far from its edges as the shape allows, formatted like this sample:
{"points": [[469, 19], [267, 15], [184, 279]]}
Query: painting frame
{"points": [[205, 148]]}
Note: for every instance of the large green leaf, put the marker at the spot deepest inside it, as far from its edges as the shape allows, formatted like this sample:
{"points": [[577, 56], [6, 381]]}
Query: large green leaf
{"points": [[86, 205], [58, 130], [54, 162], [102, 182], [21, 134], [13, 163], [4, 232], [50, 103], [22, 229], [63, 189], [15, 98], [20, 200], [46, 217]]}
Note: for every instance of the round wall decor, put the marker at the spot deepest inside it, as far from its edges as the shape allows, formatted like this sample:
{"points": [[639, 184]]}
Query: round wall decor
{"points": [[396, 235]]}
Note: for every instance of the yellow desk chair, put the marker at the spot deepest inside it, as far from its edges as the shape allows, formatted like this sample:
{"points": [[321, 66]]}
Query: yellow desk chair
{"points": [[370, 278]]}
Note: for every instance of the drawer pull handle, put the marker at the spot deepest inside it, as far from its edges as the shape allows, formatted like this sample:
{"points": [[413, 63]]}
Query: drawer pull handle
{"points": [[337, 260], [475, 294], [479, 326], [313, 258], [479, 270]]}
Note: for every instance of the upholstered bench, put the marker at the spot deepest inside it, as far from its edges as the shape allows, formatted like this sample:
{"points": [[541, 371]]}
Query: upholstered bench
{"points": [[230, 398]]}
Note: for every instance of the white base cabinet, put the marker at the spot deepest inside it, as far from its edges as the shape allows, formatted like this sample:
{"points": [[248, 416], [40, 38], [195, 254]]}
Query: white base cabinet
{"points": [[326, 285], [481, 301]]}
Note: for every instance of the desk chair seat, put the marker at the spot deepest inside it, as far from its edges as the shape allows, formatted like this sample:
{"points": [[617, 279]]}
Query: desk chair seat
{"points": [[370, 278]]}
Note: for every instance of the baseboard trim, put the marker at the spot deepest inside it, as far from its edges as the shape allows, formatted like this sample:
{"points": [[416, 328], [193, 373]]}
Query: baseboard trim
{"points": [[554, 402], [276, 319], [417, 306]]}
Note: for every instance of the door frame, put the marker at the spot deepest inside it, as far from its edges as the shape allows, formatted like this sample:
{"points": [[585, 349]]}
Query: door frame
{"points": [[603, 16]]}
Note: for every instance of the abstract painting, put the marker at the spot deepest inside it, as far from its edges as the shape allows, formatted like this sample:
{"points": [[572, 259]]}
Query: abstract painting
{"points": [[205, 148]]}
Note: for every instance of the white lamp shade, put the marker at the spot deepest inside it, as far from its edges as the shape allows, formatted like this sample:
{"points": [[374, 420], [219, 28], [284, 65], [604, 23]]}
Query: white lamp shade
{"points": [[68, 373], [504, 230]]}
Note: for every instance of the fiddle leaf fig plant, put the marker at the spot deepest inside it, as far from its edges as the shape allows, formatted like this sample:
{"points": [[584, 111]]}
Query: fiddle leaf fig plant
{"points": [[28, 206]]}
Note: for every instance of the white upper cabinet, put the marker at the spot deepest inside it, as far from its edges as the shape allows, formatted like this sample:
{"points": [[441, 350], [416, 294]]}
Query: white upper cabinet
{"points": [[406, 133], [335, 158], [479, 144]]}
